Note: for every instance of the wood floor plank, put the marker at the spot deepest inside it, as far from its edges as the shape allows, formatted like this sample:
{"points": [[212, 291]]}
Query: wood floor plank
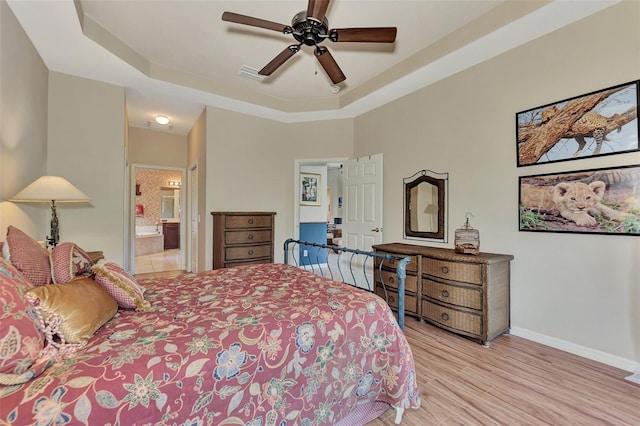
{"points": [[513, 382]]}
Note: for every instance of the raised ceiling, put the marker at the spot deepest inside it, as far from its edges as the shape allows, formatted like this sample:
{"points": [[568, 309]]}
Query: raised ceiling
{"points": [[176, 56]]}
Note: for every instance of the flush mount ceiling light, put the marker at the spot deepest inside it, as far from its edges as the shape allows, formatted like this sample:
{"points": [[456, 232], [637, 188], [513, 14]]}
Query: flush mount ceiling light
{"points": [[162, 119]]}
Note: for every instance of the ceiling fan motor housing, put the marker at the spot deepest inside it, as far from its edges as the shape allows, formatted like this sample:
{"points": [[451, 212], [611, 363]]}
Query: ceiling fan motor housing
{"points": [[308, 30]]}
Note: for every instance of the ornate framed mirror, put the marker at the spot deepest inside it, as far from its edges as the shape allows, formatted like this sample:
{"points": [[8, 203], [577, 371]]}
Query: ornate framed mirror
{"points": [[425, 206]]}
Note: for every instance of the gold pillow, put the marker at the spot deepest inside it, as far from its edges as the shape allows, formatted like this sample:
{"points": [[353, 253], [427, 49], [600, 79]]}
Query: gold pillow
{"points": [[81, 306]]}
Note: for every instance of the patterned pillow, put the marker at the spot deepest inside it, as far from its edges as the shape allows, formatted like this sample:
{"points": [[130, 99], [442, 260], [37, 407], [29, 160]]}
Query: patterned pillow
{"points": [[21, 338], [73, 310], [28, 256], [67, 261], [121, 285]]}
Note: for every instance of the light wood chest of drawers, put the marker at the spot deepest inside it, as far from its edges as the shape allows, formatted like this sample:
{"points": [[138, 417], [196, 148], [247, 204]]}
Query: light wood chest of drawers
{"points": [[242, 238], [462, 293]]}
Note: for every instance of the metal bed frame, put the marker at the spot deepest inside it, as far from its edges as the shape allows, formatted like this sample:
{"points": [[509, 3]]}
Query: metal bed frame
{"points": [[314, 262]]}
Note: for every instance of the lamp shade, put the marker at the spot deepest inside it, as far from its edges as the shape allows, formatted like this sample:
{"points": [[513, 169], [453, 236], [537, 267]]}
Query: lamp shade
{"points": [[50, 188]]}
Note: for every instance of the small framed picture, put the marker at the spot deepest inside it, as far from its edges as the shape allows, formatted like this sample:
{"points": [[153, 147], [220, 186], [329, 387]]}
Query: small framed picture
{"points": [[598, 201], [592, 125], [139, 210], [309, 189]]}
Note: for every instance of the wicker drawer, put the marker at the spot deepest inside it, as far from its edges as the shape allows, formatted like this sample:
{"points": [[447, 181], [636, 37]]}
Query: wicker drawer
{"points": [[463, 321], [456, 271], [246, 262], [246, 221], [393, 264], [247, 237], [247, 252], [410, 302], [390, 280], [455, 295]]}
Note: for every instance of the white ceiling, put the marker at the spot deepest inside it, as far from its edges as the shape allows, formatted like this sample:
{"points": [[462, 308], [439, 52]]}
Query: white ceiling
{"points": [[175, 56]]}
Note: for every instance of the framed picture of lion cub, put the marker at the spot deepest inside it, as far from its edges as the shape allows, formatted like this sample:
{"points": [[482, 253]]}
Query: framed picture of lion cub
{"points": [[598, 201]]}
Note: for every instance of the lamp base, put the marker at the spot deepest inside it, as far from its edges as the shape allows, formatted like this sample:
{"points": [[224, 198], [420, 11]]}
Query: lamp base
{"points": [[54, 237]]}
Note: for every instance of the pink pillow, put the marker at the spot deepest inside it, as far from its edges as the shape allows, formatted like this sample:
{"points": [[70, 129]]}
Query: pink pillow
{"points": [[121, 285], [29, 257], [21, 337], [67, 261]]}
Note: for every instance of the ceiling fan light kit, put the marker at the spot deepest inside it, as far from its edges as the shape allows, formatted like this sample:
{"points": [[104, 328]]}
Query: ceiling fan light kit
{"points": [[310, 28]]}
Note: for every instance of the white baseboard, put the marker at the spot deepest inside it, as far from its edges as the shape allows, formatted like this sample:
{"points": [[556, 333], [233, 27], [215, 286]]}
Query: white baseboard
{"points": [[635, 377], [583, 351]]}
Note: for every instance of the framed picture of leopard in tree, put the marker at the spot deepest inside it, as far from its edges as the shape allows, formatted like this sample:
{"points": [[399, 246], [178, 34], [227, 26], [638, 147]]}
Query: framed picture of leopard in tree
{"points": [[598, 201], [598, 123]]}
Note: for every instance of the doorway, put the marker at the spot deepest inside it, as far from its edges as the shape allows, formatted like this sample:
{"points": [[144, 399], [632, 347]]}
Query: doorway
{"points": [[157, 240], [352, 208]]}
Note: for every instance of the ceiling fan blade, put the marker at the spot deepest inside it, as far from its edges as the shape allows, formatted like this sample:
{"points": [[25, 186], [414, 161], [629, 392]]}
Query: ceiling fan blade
{"points": [[330, 65], [254, 22], [317, 9], [279, 60], [364, 35]]}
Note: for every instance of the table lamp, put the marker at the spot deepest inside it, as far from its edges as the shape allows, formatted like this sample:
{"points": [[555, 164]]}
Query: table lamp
{"points": [[51, 189]]}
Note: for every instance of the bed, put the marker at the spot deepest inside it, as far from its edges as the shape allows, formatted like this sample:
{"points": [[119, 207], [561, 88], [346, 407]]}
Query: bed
{"points": [[268, 344]]}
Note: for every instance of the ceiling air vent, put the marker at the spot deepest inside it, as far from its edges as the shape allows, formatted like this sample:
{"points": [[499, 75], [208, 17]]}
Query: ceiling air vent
{"points": [[252, 73]]}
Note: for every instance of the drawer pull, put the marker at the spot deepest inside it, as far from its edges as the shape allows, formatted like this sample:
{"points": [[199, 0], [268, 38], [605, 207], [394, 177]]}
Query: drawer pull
{"points": [[445, 270], [250, 221], [392, 299], [445, 316], [445, 293], [250, 252], [391, 280], [250, 237]]}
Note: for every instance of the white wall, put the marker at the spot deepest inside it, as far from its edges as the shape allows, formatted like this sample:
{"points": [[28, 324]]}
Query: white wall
{"points": [[316, 214], [578, 292]]}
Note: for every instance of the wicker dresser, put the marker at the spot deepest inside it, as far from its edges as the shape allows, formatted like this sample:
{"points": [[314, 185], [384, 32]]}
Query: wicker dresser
{"points": [[462, 293], [411, 283], [242, 238]]}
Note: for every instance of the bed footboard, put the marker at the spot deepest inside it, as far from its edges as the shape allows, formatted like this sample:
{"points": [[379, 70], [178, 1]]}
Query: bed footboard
{"points": [[351, 266]]}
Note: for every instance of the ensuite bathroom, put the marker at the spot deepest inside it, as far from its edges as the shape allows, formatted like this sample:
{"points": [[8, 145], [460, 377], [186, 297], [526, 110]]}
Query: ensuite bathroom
{"points": [[157, 220]]}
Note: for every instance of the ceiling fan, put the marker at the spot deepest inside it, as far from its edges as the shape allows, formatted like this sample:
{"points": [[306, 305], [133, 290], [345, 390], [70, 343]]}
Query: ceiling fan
{"points": [[310, 27]]}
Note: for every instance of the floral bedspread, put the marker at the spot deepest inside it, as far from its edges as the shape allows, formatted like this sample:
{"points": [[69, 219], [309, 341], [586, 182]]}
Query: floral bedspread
{"points": [[256, 345]]}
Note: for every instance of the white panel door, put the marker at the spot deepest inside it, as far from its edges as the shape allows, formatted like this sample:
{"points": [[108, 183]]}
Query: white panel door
{"points": [[362, 218]]}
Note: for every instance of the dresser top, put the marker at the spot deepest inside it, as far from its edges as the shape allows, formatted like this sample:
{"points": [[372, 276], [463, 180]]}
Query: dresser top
{"points": [[244, 213], [442, 253]]}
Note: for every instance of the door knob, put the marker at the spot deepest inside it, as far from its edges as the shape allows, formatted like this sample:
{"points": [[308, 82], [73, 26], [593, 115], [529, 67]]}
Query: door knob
{"points": [[376, 229]]}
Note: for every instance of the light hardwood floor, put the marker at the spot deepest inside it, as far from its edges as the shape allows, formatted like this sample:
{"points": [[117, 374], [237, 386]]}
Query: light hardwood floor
{"points": [[513, 382]]}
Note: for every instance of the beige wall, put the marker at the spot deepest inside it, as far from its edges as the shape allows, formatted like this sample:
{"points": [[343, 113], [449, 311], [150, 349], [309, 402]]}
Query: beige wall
{"points": [[578, 292], [23, 126], [250, 164], [148, 146], [86, 144]]}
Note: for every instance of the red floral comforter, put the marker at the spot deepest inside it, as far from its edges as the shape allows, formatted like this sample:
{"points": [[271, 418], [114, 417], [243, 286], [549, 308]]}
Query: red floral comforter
{"points": [[256, 345]]}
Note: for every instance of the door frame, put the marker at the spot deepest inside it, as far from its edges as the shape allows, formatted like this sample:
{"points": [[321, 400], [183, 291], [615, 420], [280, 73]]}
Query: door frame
{"points": [[189, 256], [132, 217], [296, 186]]}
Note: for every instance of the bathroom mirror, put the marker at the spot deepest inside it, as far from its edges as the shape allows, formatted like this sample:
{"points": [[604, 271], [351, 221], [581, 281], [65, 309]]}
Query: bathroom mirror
{"points": [[169, 203], [425, 206]]}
